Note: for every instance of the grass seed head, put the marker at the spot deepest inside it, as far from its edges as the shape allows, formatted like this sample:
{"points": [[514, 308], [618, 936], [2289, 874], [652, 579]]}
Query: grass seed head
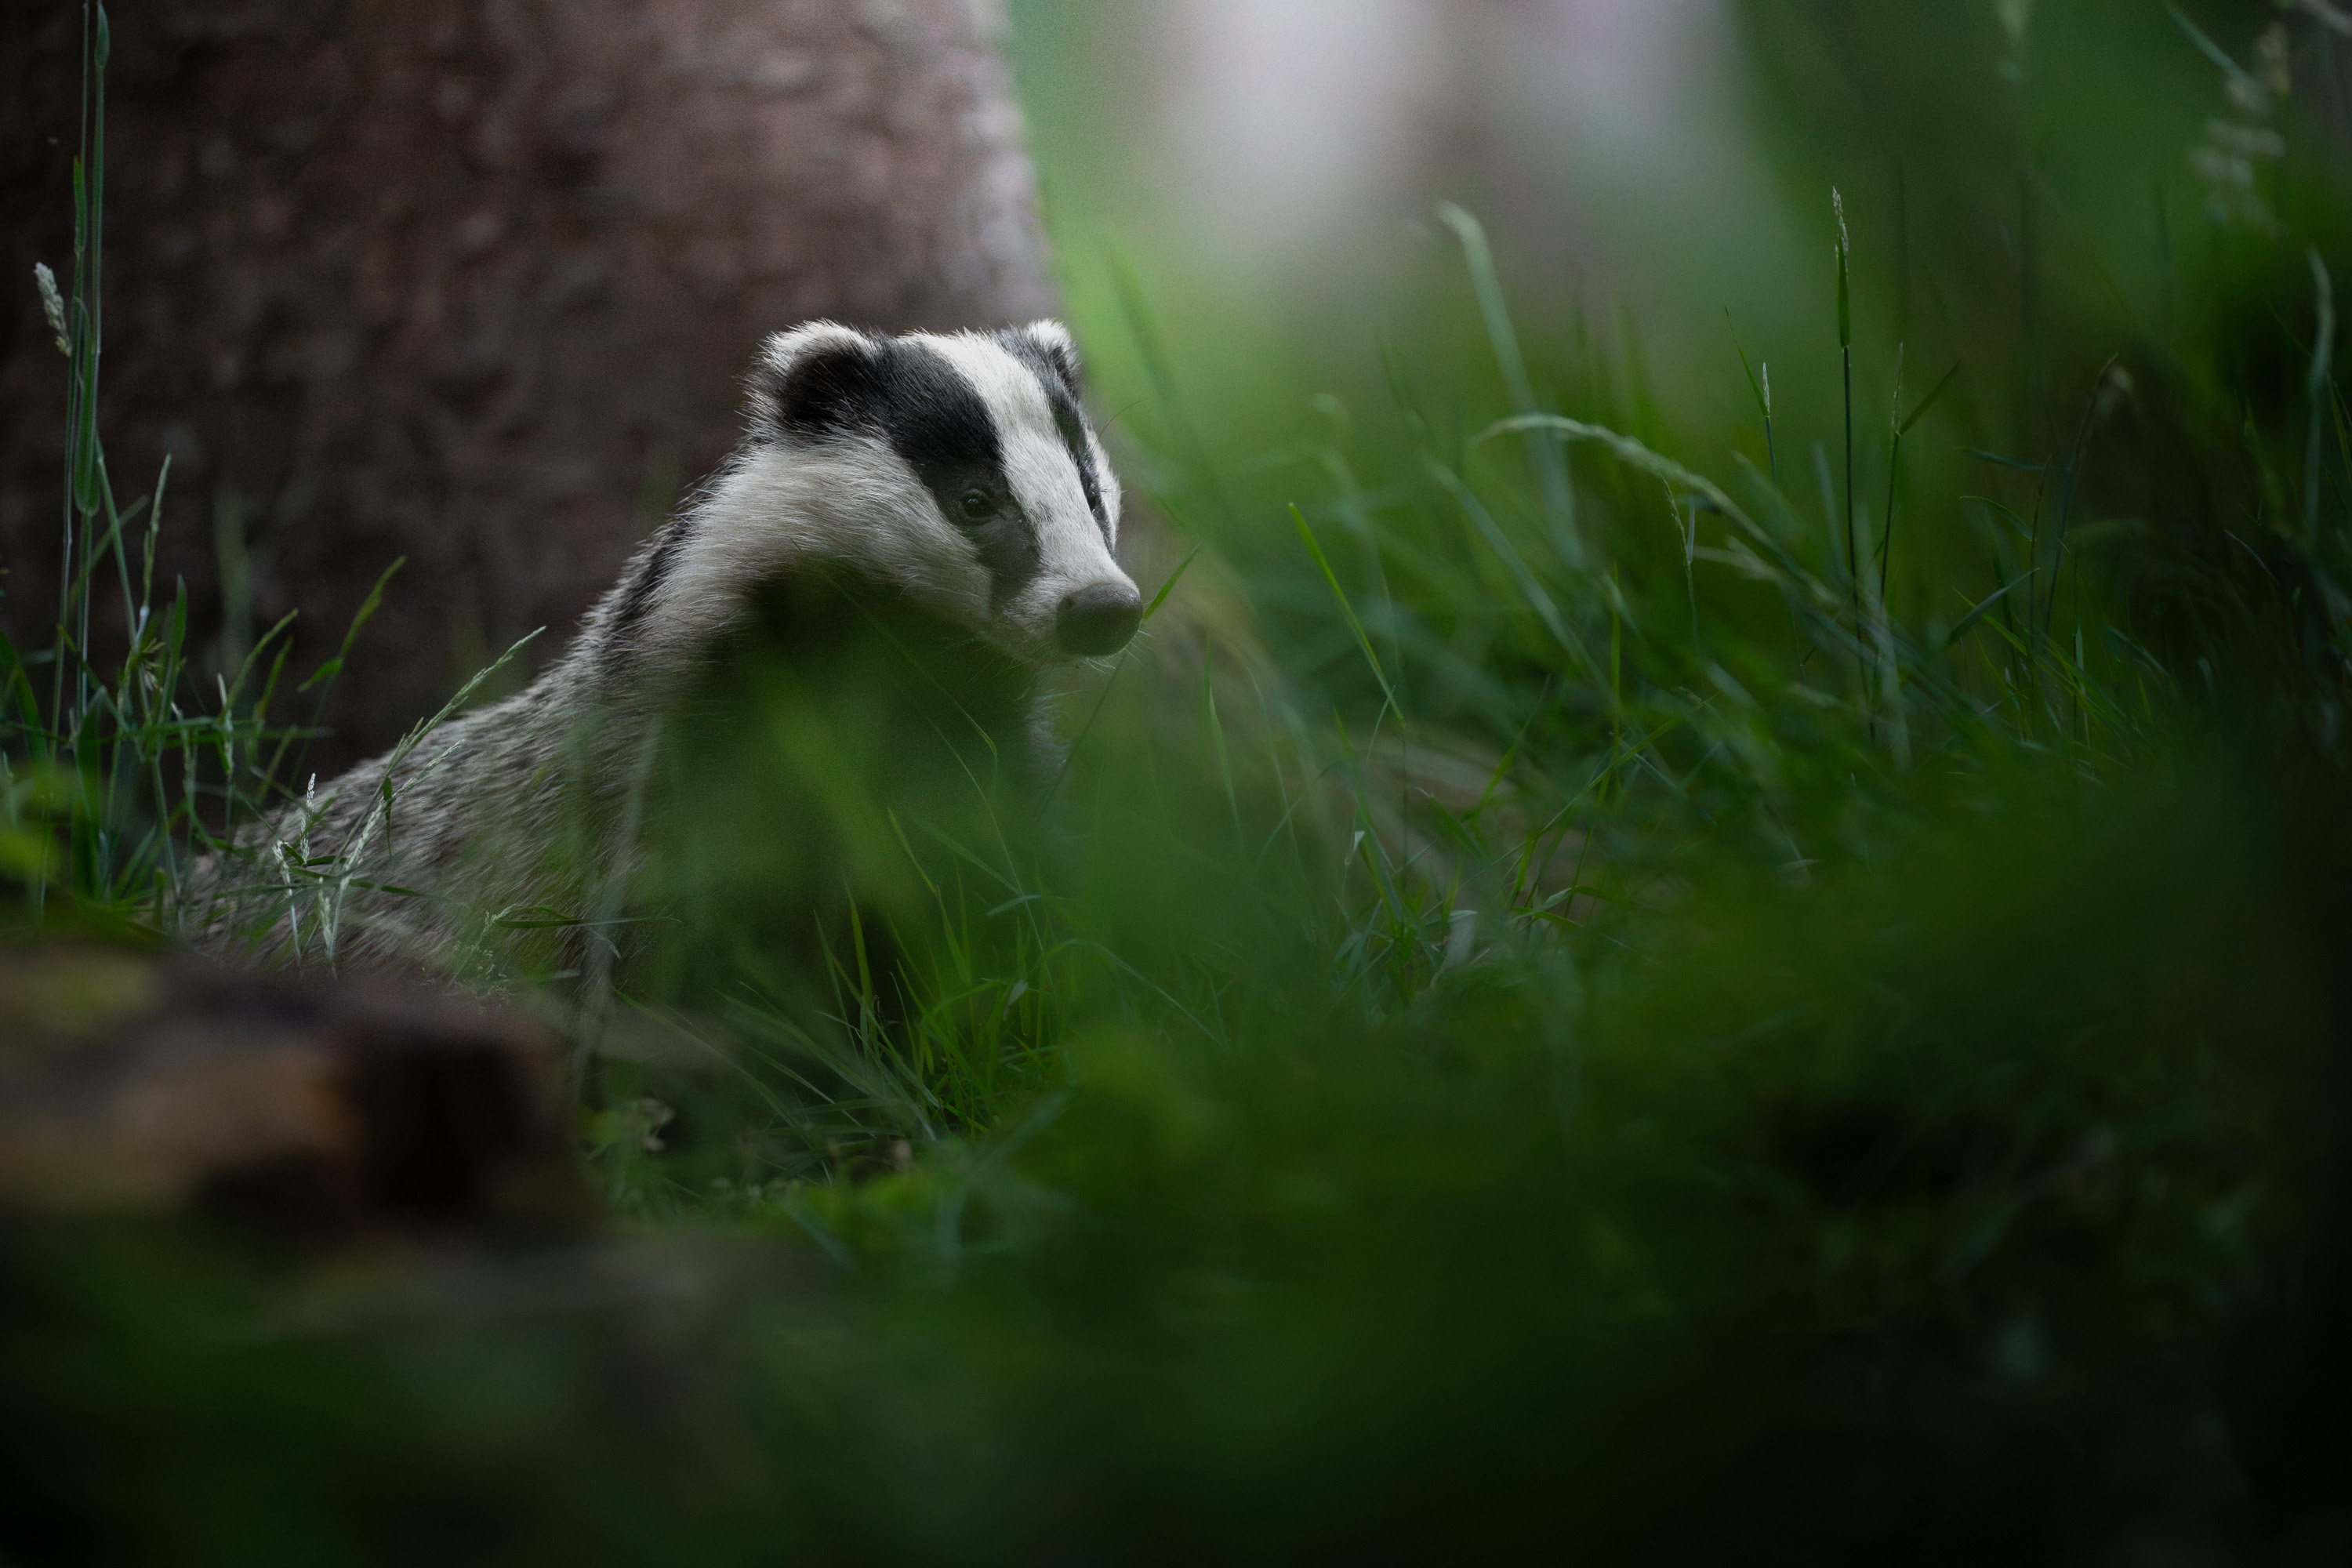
{"points": [[53, 306]]}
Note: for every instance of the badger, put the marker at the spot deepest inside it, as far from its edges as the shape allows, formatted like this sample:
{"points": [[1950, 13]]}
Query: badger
{"points": [[932, 515]]}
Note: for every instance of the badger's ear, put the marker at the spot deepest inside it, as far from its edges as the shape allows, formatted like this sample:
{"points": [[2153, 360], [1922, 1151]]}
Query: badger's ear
{"points": [[815, 381], [1062, 350]]}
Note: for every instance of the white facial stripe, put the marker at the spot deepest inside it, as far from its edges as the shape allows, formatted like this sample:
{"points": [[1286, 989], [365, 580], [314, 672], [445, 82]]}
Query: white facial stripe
{"points": [[852, 502]]}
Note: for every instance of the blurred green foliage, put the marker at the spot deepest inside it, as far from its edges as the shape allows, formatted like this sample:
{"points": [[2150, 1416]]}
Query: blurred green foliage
{"points": [[1987, 1205]]}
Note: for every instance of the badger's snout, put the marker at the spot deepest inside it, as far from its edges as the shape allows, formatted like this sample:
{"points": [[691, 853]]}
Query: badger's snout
{"points": [[1098, 619]]}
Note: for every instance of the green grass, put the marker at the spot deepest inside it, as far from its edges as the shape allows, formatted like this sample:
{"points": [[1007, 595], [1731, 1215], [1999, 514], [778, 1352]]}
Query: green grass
{"points": [[148, 755], [1579, 993]]}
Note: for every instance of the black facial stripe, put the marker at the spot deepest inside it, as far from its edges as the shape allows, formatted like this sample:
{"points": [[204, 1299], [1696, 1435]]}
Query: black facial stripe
{"points": [[910, 396], [1059, 379], [1008, 548], [902, 393]]}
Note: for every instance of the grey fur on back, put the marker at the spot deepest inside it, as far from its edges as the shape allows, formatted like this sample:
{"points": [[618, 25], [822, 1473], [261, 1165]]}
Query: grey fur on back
{"points": [[957, 472]]}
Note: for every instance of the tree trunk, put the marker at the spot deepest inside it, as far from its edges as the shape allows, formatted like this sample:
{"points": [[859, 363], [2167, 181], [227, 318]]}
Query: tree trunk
{"points": [[472, 282]]}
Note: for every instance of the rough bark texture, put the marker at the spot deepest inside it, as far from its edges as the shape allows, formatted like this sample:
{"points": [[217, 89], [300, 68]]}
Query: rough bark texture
{"points": [[474, 281]]}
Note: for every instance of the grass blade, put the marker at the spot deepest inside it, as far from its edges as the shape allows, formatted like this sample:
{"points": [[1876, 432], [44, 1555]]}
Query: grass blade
{"points": [[1323, 564]]}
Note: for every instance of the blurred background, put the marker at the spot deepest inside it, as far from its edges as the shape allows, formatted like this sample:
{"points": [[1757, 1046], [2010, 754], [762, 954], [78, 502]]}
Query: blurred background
{"points": [[1670, 158], [1282, 156], [2029, 192], [1273, 166]]}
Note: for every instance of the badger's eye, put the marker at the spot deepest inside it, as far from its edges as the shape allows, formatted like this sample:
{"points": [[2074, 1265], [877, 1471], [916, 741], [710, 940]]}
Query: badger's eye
{"points": [[978, 506]]}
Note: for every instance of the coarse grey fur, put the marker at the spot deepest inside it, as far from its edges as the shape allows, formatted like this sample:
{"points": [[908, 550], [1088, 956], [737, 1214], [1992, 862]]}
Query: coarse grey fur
{"points": [[956, 473]]}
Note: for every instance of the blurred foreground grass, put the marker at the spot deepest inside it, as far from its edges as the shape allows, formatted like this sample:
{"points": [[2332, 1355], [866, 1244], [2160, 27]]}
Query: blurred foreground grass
{"points": [[1987, 1204], [1578, 1000]]}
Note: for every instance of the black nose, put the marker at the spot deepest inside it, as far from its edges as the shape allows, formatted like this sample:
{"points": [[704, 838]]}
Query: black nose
{"points": [[1098, 619]]}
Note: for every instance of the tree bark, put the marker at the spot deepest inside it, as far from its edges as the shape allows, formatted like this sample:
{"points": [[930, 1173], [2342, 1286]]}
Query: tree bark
{"points": [[473, 282]]}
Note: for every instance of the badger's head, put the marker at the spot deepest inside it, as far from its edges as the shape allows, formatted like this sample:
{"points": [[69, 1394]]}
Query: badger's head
{"points": [[960, 469]]}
